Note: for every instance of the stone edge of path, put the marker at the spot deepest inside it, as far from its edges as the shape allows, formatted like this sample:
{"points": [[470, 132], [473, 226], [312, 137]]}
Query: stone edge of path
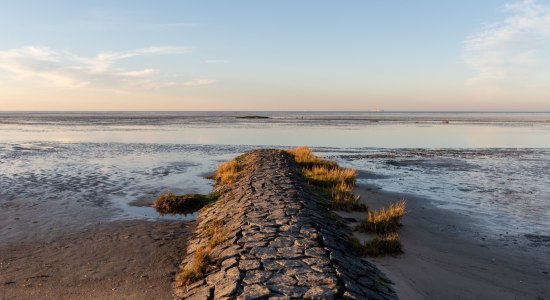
{"points": [[281, 241]]}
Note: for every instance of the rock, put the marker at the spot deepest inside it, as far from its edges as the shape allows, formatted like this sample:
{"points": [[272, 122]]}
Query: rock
{"points": [[256, 276], [249, 264], [316, 252], [319, 292], [226, 288], [290, 291], [228, 263], [281, 279], [254, 291]]}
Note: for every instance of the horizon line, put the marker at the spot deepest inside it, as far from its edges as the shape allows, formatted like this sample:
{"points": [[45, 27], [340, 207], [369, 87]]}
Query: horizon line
{"points": [[305, 111]]}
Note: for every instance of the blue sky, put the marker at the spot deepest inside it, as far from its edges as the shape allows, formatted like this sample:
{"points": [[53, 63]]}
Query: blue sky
{"points": [[275, 55]]}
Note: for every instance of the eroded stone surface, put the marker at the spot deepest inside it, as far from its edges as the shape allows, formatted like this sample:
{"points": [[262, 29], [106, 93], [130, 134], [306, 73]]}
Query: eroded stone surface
{"points": [[279, 244]]}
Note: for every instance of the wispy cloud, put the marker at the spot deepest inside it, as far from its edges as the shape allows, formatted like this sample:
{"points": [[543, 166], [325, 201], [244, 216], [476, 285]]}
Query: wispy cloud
{"points": [[136, 74], [508, 49], [66, 69], [198, 82]]}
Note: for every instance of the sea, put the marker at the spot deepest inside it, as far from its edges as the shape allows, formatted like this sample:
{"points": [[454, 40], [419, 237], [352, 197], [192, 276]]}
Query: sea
{"points": [[494, 166]]}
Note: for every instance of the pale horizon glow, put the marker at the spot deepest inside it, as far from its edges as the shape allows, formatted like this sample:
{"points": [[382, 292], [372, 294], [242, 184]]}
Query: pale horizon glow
{"points": [[275, 56]]}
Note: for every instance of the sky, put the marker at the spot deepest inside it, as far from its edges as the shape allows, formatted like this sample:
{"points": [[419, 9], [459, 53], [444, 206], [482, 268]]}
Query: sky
{"points": [[423, 55]]}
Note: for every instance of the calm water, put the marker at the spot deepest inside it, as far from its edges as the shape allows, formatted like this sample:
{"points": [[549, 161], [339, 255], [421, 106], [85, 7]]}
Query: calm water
{"points": [[339, 129], [494, 165]]}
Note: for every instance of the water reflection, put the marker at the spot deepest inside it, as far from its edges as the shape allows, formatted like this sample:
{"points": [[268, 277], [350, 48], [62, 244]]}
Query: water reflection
{"points": [[379, 135]]}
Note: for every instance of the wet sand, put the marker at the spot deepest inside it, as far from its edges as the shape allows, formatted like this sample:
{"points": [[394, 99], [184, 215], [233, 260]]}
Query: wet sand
{"points": [[447, 257], [134, 259]]}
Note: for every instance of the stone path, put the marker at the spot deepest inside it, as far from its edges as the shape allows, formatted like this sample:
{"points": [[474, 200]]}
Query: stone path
{"points": [[280, 242]]}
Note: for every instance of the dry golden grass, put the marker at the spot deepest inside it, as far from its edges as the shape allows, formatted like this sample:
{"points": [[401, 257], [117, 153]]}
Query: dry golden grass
{"points": [[342, 198], [200, 265], [335, 181], [169, 203], [217, 232], [226, 173], [380, 245], [305, 158], [330, 176], [202, 262], [384, 220]]}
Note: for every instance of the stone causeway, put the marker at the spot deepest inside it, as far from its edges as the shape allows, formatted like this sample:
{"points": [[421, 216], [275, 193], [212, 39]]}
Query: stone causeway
{"points": [[281, 242]]}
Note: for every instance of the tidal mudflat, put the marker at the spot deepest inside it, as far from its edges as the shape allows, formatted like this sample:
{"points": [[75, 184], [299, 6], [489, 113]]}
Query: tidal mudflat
{"points": [[67, 176]]}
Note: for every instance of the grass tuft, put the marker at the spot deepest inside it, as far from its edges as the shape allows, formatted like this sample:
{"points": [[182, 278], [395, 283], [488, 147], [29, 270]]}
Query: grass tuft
{"points": [[304, 157], [388, 244], [169, 203], [330, 176], [342, 198], [336, 182], [228, 172], [200, 265], [384, 220], [202, 262], [217, 232]]}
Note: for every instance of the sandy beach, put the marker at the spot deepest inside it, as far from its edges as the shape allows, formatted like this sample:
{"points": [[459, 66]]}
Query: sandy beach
{"points": [[134, 259], [447, 257]]}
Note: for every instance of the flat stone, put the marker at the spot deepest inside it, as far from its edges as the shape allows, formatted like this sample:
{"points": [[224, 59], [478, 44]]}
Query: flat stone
{"points": [[229, 263], [366, 281], [281, 279], [319, 292], [295, 271], [229, 252], [254, 291], [249, 264], [233, 274], [225, 288], [196, 284], [290, 291], [271, 265], [282, 222], [256, 276], [316, 252], [290, 250], [199, 293], [349, 296], [316, 278], [278, 214], [249, 245], [257, 237], [291, 263], [265, 253], [322, 269], [305, 243], [269, 229], [317, 261], [356, 289], [281, 242], [215, 277], [278, 297]]}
